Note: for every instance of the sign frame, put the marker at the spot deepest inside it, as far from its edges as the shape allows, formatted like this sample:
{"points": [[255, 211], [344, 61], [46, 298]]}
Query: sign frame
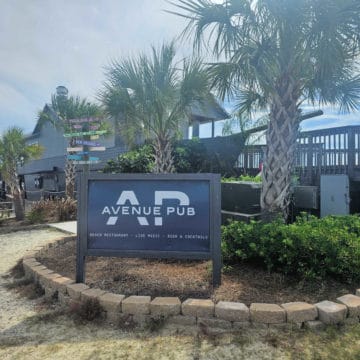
{"points": [[214, 253]]}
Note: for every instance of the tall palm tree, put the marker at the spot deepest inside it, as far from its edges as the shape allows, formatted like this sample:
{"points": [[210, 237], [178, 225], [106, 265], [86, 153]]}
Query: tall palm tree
{"points": [[276, 54], [151, 95], [62, 109], [15, 152]]}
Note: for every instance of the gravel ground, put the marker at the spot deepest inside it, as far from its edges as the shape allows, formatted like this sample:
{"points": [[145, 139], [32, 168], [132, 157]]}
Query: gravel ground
{"points": [[12, 247]]}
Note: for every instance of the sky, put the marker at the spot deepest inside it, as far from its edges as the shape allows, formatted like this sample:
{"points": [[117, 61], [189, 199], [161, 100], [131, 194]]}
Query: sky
{"points": [[46, 43]]}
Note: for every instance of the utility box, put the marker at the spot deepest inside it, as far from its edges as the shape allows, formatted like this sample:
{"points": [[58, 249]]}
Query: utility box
{"points": [[241, 197], [306, 197], [334, 195]]}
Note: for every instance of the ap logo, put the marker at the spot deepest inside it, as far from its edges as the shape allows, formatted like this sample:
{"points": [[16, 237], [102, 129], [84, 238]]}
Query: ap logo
{"points": [[129, 205]]}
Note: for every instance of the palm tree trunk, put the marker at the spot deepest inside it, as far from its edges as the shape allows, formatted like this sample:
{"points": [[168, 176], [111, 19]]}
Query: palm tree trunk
{"points": [[17, 196], [18, 205], [280, 150], [70, 175], [164, 162]]}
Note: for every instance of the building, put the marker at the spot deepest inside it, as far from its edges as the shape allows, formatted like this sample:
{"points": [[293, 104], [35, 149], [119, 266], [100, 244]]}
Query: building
{"points": [[45, 177]]}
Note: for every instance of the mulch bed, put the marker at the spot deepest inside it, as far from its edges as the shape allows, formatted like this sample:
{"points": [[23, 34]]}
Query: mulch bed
{"points": [[190, 279]]}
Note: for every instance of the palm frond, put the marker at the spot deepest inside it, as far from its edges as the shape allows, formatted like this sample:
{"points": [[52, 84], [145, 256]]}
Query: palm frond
{"points": [[344, 92], [151, 94], [248, 101], [220, 21], [224, 76]]}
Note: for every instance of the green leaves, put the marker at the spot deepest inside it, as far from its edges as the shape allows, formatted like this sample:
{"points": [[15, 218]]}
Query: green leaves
{"points": [[273, 55], [150, 97], [64, 108], [308, 248], [140, 160], [14, 151], [316, 43]]}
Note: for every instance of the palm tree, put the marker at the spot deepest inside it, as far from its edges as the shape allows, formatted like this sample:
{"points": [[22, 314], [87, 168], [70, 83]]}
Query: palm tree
{"points": [[276, 54], [15, 152], [151, 95], [62, 109]]}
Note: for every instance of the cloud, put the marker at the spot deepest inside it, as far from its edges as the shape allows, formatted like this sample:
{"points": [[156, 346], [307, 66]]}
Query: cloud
{"points": [[332, 118], [13, 114], [45, 43], [49, 43]]}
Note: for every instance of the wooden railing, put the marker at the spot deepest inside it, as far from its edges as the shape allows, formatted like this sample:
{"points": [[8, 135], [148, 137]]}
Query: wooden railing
{"points": [[325, 151], [6, 208]]}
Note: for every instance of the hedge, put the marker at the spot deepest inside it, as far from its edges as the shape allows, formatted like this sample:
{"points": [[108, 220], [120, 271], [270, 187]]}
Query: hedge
{"points": [[308, 248]]}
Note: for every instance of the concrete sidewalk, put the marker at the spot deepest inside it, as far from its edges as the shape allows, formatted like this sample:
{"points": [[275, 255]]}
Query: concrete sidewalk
{"points": [[68, 226]]}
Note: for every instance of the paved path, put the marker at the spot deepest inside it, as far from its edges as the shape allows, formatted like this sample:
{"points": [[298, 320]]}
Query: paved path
{"points": [[68, 226]]}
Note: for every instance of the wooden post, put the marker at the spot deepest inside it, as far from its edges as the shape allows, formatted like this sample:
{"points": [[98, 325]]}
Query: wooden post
{"points": [[351, 152]]}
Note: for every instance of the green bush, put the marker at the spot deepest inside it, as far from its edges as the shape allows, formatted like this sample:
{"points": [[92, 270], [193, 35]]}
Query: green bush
{"points": [[140, 160], [190, 157], [308, 248], [256, 179]]}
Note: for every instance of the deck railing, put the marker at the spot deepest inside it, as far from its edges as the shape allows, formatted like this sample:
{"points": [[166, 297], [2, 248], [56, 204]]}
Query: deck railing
{"points": [[325, 151]]}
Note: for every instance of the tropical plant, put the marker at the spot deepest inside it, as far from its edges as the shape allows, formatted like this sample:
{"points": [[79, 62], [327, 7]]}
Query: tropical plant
{"points": [[13, 153], [150, 96], [190, 156], [275, 55], [139, 160], [64, 108], [308, 248]]}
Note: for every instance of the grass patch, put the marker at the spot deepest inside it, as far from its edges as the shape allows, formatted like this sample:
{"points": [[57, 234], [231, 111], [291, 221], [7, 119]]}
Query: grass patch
{"points": [[46, 316], [18, 284], [26, 288]]}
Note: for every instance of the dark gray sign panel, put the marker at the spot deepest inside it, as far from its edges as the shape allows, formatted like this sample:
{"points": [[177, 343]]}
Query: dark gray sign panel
{"points": [[146, 215]]}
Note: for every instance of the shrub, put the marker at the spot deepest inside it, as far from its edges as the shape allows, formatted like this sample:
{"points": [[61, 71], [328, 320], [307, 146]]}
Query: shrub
{"points": [[256, 179], [52, 210], [140, 160], [190, 157], [308, 248], [36, 215], [66, 209]]}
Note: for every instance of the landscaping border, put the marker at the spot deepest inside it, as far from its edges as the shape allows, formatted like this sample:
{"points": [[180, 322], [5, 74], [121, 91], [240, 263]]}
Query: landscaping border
{"points": [[140, 310]]}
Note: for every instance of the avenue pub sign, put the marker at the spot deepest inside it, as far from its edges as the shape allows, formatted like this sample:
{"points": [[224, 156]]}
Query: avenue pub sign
{"points": [[152, 216]]}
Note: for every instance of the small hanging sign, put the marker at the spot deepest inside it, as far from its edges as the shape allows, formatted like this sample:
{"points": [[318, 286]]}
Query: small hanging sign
{"points": [[86, 142], [83, 120], [86, 133]]}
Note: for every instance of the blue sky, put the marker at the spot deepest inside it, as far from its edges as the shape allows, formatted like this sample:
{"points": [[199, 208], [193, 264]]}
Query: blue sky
{"points": [[45, 43], [331, 118]]}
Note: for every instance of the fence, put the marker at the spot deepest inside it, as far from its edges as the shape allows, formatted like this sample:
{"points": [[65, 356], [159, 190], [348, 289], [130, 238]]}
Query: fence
{"points": [[325, 151]]}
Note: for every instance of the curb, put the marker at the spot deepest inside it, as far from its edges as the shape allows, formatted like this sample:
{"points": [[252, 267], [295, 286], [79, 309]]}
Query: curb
{"points": [[140, 310]]}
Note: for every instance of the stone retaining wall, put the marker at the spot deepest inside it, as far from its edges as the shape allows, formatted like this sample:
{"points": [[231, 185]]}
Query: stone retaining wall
{"points": [[222, 315]]}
